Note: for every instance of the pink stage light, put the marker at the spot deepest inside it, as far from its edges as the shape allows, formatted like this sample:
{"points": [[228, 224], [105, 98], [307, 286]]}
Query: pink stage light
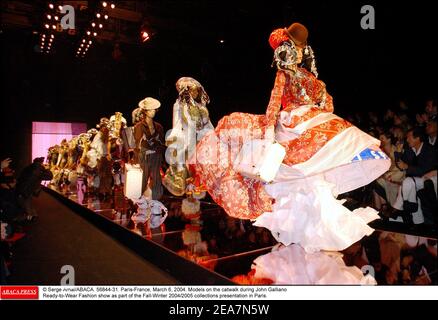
{"points": [[48, 134]]}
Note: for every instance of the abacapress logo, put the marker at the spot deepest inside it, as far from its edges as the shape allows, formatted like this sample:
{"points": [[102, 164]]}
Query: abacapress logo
{"points": [[18, 293]]}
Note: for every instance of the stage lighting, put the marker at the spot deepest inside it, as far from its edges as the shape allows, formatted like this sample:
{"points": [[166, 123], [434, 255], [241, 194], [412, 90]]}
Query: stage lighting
{"points": [[52, 36], [88, 32], [54, 27], [98, 15], [106, 17], [100, 26], [144, 36], [51, 6], [95, 34], [93, 24], [47, 26], [56, 18], [90, 42], [104, 4], [113, 6], [49, 16]]}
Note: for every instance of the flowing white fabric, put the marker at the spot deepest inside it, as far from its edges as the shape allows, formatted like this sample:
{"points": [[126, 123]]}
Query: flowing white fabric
{"points": [[306, 211], [293, 265]]}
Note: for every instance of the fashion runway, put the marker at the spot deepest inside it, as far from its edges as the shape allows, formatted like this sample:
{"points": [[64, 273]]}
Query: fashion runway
{"points": [[211, 248], [61, 237]]}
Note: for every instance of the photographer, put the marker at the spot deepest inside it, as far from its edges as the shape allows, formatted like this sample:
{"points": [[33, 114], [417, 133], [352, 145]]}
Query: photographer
{"points": [[29, 185]]}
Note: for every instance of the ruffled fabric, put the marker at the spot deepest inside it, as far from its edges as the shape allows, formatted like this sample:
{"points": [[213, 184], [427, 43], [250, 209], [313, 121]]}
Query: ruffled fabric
{"points": [[294, 266], [307, 213]]}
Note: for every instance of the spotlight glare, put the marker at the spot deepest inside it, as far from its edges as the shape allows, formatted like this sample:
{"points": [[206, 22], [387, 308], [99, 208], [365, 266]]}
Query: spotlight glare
{"points": [[98, 15], [95, 34], [54, 27], [60, 8], [51, 6], [93, 24], [88, 32], [100, 26], [145, 36], [106, 17], [56, 18], [104, 4], [90, 42], [49, 16], [113, 5], [52, 36], [47, 26]]}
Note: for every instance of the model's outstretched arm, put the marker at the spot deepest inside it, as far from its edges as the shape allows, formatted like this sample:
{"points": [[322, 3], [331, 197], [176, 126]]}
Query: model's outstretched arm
{"points": [[274, 105]]}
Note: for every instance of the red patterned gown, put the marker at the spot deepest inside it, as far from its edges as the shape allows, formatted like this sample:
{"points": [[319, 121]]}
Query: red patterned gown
{"points": [[326, 155]]}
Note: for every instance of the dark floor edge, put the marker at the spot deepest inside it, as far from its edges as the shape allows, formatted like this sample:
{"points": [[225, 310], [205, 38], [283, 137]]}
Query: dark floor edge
{"points": [[419, 231], [185, 271]]}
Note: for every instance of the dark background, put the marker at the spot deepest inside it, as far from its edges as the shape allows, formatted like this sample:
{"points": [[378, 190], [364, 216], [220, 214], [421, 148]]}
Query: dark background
{"points": [[363, 69]]}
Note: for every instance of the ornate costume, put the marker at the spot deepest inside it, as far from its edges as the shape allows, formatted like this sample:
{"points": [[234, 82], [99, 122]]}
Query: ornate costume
{"points": [[149, 139], [191, 123], [325, 156]]}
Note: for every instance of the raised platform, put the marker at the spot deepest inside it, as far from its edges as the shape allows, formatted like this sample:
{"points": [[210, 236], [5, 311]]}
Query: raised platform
{"points": [[216, 248]]}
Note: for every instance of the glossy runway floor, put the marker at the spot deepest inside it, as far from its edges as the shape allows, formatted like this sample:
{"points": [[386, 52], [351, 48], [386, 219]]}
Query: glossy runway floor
{"points": [[61, 237], [223, 246], [228, 246]]}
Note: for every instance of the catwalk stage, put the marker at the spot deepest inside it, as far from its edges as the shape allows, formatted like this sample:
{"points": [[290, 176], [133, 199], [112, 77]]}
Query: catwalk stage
{"points": [[105, 248]]}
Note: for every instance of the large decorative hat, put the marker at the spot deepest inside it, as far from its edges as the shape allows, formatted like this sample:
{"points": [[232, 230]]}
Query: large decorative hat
{"points": [[277, 37], [185, 83], [104, 122], [298, 33], [149, 104]]}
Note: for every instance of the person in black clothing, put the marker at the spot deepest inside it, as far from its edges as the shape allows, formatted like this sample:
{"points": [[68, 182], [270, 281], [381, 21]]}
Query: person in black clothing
{"points": [[431, 131], [419, 162], [29, 185]]}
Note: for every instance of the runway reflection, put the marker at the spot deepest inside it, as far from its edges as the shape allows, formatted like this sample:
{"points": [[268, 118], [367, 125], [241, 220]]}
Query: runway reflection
{"points": [[249, 255]]}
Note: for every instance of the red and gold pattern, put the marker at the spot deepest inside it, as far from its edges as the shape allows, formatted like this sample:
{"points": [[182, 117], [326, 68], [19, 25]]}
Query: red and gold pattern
{"points": [[246, 198]]}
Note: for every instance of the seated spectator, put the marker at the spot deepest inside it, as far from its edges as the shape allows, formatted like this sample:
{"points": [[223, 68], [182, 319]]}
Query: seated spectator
{"points": [[431, 130], [8, 205], [416, 162], [29, 185], [399, 137], [431, 109], [391, 180], [388, 118], [421, 119]]}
